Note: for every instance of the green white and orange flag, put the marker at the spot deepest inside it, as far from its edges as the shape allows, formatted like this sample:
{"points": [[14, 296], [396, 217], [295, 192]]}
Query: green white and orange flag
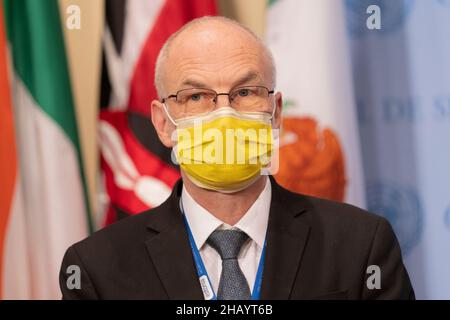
{"points": [[319, 146], [44, 209]]}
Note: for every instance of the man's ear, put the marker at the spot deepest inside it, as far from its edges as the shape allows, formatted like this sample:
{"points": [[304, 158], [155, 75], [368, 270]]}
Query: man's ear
{"points": [[279, 106], [163, 126]]}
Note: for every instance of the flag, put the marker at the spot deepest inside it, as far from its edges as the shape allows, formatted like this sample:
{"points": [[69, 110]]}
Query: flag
{"points": [[14, 271], [319, 146], [137, 170], [54, 195]]}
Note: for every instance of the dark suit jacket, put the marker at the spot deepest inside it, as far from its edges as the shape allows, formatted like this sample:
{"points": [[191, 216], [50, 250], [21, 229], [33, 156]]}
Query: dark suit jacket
{"points": [[316, 249]]}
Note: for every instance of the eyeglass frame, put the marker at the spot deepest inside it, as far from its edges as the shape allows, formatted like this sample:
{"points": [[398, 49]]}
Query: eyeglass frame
{"points": [[269, 92], [163, 100]]}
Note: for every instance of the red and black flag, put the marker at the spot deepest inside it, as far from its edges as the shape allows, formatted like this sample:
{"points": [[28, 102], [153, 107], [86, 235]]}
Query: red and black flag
{"points": [[137, 171]]}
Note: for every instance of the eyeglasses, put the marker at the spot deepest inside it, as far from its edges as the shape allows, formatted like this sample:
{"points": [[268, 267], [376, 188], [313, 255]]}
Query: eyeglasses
{"points": [[194, 101]]}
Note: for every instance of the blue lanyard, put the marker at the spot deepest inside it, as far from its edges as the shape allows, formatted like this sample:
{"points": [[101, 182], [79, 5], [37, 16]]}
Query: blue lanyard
{"points": [[203, 277]]}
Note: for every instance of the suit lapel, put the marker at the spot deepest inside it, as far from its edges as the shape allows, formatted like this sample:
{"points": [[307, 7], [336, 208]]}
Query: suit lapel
{"points": [[287, 237], [170, 251]]}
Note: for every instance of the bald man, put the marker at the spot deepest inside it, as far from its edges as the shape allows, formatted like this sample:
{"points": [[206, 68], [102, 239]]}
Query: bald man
{"points": [[228, 231]]}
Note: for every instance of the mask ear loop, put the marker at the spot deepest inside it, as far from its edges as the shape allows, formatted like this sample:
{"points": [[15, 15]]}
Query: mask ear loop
{"points": [[273, 168], [272, 117], [173, 153], [273, 113], [168, 114]]}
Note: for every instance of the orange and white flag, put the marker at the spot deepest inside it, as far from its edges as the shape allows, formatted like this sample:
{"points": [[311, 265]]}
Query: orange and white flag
{"points": [[13, 255]]}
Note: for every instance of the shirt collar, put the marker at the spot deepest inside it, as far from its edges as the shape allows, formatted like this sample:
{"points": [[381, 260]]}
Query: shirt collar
{"points": [[254, 223]]}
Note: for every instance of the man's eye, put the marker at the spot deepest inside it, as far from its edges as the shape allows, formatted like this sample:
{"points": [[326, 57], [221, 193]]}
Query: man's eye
{"points": [[243, 92], [195, 97]]}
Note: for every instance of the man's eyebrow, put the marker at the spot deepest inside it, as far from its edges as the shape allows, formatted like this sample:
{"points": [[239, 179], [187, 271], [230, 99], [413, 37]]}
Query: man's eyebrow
{"points": [[251, 75], [194, 84]]}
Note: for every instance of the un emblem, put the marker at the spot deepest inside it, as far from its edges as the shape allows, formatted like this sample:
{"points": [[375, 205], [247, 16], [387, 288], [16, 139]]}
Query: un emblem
{"points": [[402, 207], [393, 15], [447, 217]]}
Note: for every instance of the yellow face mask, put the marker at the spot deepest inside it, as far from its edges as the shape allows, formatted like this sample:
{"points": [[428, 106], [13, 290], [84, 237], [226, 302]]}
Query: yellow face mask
{"points": [[225, 150]]}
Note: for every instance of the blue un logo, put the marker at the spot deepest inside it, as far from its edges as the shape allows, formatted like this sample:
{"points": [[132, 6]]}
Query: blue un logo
{"points": [[402, 207], [447, 217]]}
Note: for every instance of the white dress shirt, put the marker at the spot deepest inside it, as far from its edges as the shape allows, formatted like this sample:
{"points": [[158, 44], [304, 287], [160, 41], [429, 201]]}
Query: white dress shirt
{"points": [[253, 223]]}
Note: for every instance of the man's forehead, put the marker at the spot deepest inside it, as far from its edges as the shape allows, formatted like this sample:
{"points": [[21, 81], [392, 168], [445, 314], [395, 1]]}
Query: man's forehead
{"points": [[210, 44], [205, 51], [213, 31], [207, 74]]}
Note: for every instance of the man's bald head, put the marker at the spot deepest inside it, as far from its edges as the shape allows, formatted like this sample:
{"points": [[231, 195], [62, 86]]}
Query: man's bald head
{"points": [[209, 33]]}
